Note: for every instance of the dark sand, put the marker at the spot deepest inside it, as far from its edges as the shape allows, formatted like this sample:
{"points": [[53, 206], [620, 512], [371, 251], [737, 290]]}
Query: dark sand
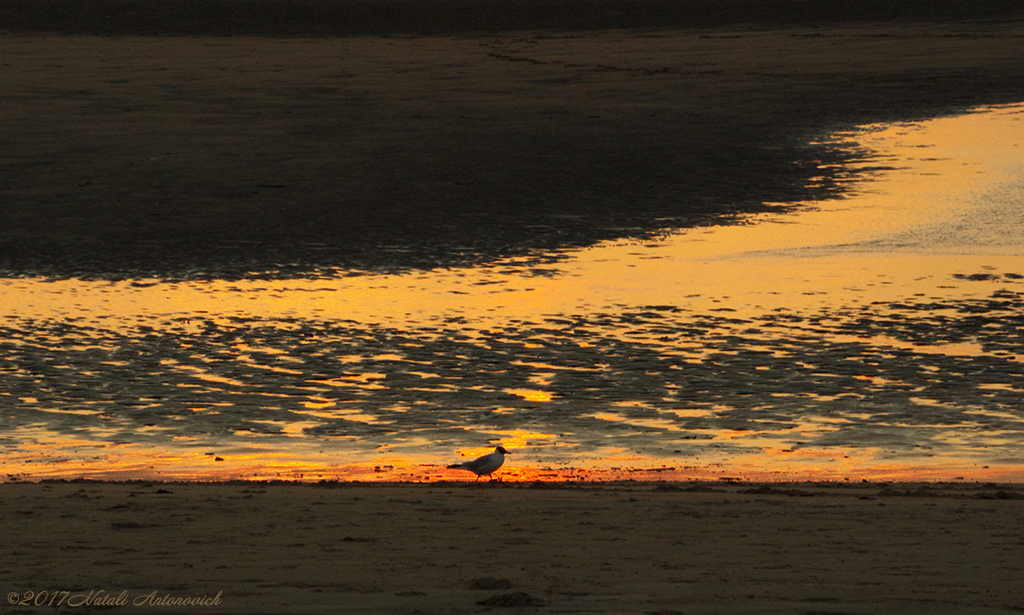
{"points": [[698, 548], [140, 139]]}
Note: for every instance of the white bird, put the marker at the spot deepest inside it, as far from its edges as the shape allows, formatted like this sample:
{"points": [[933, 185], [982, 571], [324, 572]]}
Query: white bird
{"points": [[483, 465]]}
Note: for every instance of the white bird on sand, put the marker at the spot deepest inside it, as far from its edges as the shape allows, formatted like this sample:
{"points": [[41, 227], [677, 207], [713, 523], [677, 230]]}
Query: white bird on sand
{"points": [[483, 465]]}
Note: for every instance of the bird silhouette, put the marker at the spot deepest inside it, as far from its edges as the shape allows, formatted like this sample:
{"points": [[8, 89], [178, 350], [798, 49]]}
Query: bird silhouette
{"points": [[483, 465]]}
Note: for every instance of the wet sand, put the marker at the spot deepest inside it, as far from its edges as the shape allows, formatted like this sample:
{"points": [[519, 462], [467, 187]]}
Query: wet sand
{"points": [[695, 548], [861, 339], [296, 152], [164, 155], [200, 155], [925, 388]]}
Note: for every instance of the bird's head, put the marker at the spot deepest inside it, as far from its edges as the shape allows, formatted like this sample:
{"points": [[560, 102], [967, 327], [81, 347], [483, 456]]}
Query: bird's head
{"points": [[501, 449]]}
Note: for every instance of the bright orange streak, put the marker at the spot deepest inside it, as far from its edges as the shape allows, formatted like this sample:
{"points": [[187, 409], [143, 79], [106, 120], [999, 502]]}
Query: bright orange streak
{"points": [[530, 395], [132, 461], [831, 255]]}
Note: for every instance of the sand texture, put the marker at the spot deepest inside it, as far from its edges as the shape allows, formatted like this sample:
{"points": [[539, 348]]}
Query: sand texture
{"points": [[574, 548], [129, 155]]}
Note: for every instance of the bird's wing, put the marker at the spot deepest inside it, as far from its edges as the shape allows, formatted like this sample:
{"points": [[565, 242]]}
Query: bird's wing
{"points": [[479, 463], [494, 462]]}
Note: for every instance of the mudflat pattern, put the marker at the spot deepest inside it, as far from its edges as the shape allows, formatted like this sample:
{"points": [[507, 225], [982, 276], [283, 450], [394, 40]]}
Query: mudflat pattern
{"points": [[920, 377]]}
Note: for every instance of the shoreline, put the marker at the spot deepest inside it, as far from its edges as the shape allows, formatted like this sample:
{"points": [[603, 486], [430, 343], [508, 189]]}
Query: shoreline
{"points": [[725, 472], [788, 487]]}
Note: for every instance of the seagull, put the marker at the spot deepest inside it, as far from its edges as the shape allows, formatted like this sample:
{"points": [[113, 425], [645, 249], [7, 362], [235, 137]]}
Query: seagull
{"points": [[483, 465]]}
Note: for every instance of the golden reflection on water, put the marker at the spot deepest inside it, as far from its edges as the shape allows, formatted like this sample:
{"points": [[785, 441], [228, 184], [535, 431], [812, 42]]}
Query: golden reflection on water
{"points": [[891, 238], [951, 205]]}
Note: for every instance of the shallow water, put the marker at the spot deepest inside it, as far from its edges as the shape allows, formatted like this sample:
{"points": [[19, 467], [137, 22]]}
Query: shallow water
{"points": [[876, 336]]}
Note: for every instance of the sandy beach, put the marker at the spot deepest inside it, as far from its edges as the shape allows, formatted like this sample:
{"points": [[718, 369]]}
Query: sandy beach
{"points": [[668, 548], [206, 139]]}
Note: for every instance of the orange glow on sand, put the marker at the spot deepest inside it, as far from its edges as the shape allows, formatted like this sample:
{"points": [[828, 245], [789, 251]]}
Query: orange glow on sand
{"points": [[530, 395], [134, 462], [893, 228], [887, 242]]}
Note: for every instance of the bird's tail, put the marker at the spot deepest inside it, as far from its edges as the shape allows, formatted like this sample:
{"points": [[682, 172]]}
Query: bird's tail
{"points": [[455, 466]]}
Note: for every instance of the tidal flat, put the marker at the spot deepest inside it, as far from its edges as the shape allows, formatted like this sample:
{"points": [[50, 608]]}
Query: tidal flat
{"points": [[705, 243]]}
